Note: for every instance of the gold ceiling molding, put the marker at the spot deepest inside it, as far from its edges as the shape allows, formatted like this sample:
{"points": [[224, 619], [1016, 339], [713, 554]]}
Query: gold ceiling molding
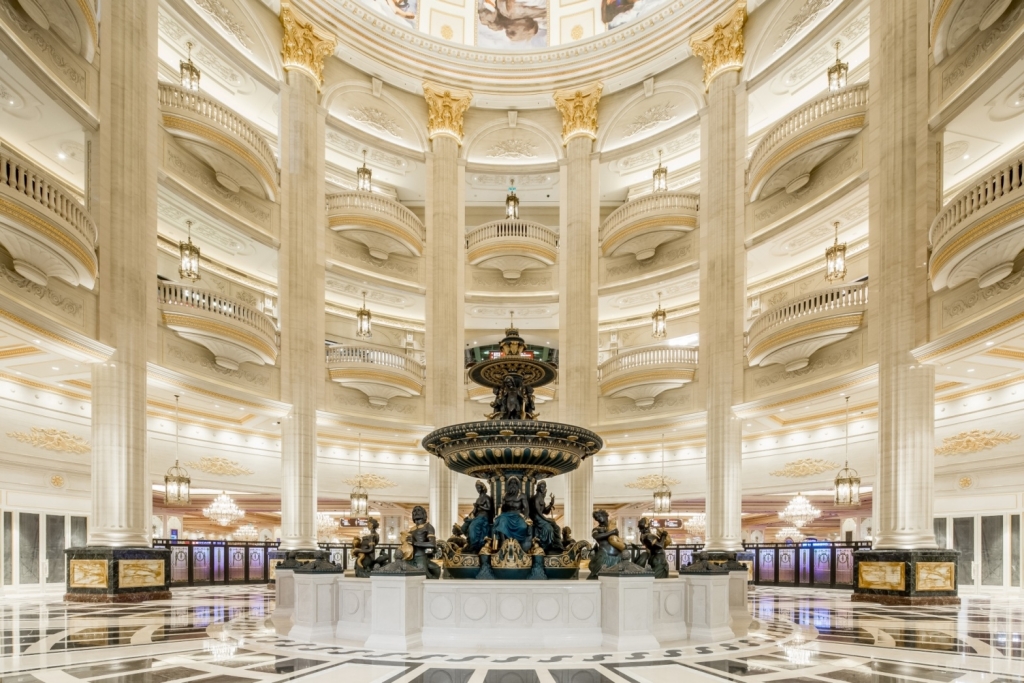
{"points": [[651, 482], [304, 47], [807, 467], [53, 440], [18, 352], [445, 109], [370, 481], [974, 441], [220, 466], [720, 46], [579, 111]]}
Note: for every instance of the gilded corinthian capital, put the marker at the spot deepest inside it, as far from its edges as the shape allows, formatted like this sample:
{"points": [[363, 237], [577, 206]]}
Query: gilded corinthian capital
{"points": [[720, 46], [579, 111], [303, 46], [445, 107]]}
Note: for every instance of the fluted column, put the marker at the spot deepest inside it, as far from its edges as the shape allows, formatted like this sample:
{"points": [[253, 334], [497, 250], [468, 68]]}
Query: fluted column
{"points": [[577, 298], [722, 273], [446, 259], [126, 203], [301, 273]]}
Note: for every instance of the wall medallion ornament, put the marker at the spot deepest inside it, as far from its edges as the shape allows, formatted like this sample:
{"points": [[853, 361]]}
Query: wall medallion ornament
{"points": [[370, 481], [651, 482], [720, 46], [807, 467], [221, 466], [303, 47], [974, 441], [52, 440], [445, 108], [57, 481], [579, 111]]}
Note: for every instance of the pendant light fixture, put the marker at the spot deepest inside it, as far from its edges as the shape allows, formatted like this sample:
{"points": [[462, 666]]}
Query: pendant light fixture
{"points": [[662, 494], [660, 176], [697, 525], [247, 532], [364, 324], [326, 526], [847, 486], [177, 484], [799, 512], [223, 510], [835, 259], [511, 201], [837, 73], [363, 177], [358, 498], [659, 321], [189, 72], [188, 265], [789, 533]]}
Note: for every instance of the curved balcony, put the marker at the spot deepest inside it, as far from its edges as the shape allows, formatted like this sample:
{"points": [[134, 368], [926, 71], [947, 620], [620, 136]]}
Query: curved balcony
{"points": [[512, 245], [804, 140], [239, 155], [978, 235], [381, 375], [789, 334], [643, 374], [381, 224], [43, 226], [232, 331], [640, 225]]}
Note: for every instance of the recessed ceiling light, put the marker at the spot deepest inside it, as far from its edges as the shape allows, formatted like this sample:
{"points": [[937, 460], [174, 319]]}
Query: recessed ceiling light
{"points": [[62, 156], [989, 343], [967, 156], [54, 367], [970, 369]]}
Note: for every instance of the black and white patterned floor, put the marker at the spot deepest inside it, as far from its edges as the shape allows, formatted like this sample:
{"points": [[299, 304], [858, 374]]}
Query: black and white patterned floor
{"points": [[223, 635]]}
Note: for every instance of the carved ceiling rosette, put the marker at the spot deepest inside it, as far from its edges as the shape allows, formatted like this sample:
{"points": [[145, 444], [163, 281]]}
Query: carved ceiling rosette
{"points": [[445, 109], [304, 47], [579, 111], [720, 46]]}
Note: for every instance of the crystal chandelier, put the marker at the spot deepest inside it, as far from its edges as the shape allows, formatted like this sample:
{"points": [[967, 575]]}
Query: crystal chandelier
{"points": [[223, 510], [511, 201], [363, 176], [660, 176], [835, 259], [177, 484], [364, 328], [189, 72], [358, 497], [246, 532], [188, 265], [696, 525], [847, 486], [789, 533], [659, 321], [325, 525], [799, 512], [837, 73]]}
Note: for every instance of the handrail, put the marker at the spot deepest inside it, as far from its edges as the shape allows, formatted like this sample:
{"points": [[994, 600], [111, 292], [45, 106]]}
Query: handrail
{"points": [[379, 204], [361, 354], [174, 294], [171, 96], [511, 227], [658, 355], [650, 203], [1005, 180], [24, 178], [833, 298], [853, 97]]}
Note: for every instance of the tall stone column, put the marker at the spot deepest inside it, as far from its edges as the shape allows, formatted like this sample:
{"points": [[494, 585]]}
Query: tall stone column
{"points": [[903, 567], [124, 205], [722, 273], [577, 291], [301, 272], [446, 259]]}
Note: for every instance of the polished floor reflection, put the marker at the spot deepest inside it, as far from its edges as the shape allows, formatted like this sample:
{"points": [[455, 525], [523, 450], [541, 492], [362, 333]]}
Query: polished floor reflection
{"points": [[222, 635]]}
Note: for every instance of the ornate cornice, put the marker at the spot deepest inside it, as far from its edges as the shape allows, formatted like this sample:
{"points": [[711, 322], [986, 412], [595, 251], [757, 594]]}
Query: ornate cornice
{"points": [[579, 111], [720, 46], [303, 46], [445, 107]]}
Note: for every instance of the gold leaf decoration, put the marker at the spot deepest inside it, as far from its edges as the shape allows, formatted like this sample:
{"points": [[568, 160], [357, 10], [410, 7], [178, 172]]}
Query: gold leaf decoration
{"points": [[651, 482], [974, 441], [303, 46], [53, 440], [807, 467], [579, 111], [445, 107], [720, 46], [370, 481], [221, 466]]}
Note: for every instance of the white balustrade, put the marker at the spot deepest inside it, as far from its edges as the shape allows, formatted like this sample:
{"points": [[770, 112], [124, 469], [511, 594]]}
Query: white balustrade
{"points": [[174, 294], [41, 190], [832, 299], [1005, 180], [512, 227], [358, 354], [373, 203], [656, 203], [659, 355]]}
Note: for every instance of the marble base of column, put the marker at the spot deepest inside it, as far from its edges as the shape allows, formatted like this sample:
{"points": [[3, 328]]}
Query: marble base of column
{"points": [[103, 574], [906, 577]]}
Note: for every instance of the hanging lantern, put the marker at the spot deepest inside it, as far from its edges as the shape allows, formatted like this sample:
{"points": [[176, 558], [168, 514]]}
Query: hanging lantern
{"points": [[660, 176], [659, 321], [799, 512], [847, 486], [188, 265], [358, 499], [177, 484], [189, 73], [662, 494], [837, 73], [363, 176], [835, 259], [512, 201], [364, 326]]}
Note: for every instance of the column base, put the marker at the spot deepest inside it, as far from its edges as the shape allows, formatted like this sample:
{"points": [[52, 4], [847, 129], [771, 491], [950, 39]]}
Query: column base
{"points": [[103, 574], [906, 577]]}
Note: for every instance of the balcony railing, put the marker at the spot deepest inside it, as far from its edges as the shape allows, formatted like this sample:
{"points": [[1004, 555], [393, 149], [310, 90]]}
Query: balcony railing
{"points": [[836, 298], [512, 245], [384, 225], [641, 224], [665, 355], [512, 228], [355, 354], [380, 375], [644, 374]]}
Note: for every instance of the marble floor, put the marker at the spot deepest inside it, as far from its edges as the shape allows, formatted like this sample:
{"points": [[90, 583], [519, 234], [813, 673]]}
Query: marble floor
{"points": [[223, 635]]}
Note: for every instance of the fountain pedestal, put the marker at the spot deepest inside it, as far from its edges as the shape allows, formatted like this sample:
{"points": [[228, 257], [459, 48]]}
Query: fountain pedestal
{"points": [[396, 611]]}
